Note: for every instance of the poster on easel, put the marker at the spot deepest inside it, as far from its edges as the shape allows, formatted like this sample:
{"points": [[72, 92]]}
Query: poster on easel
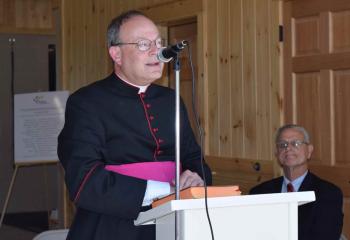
{"points": [[38, 119]]}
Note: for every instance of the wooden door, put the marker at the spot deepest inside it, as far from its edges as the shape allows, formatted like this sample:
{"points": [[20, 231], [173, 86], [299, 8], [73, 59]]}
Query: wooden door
{"points": [[178, 31], [317, 84]]}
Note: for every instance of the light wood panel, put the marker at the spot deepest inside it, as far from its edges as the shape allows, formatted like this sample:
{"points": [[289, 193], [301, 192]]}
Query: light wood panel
{"points": [[342, 117], [317, 81], [340, 36], [249, 79], [224, 80], [309, 28], [243, 172], [212, 128], [317, 84], [236, 66], [27, 16], [314, 106], [264, 132], [241, 100]]}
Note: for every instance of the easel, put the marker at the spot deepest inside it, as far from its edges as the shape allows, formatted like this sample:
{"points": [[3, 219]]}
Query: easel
{"points": [[9, 192], [44, 98]]}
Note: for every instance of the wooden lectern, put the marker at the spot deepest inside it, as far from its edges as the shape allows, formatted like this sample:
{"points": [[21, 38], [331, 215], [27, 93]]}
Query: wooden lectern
{"points": [[248, 217]]}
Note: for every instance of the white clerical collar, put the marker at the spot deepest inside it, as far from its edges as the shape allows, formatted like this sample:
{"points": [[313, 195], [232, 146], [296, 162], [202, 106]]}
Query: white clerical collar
{"points": [[142, 89]]}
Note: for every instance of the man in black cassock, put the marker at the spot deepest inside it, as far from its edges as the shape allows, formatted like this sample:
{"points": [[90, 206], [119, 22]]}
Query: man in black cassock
{"points": [[124, 120]]}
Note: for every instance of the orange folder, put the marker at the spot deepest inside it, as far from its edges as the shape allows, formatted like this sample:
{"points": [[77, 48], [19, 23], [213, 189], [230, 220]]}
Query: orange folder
{"points": [[198, 192]]}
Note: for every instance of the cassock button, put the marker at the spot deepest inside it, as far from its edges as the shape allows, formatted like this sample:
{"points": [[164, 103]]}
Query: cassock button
{"points": [[148, 105], [155, 129], [160, 140], [151, 117], [159, 152]]}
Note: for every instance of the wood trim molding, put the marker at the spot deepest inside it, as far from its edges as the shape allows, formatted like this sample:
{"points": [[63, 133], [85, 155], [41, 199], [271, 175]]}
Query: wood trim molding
{"points": [[245, 173], [179, 10], [39, 31], [321, 61]]}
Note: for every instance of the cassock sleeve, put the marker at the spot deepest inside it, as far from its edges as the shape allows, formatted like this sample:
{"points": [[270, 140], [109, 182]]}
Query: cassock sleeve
{"points": [[82, 153]]}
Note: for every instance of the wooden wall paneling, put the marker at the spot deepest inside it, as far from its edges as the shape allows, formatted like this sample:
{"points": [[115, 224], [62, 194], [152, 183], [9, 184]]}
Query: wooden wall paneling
{"points": [[56, 4], [179, 9], [340, 31], [77, 35], [27, 17], [311, 7], [212, 128], [82, 39], [224, 80], [325, 136], [71, 28], [236, 171], [313, 111], [33, 14], [325, 44], [101, 62], [7, 13], [201, 78], [110, 12], [323, 60], [236, 61], [342, 116], [276, 92], [249, 76], [287, 62], [93, 34], [65, 44], [263, 78], [205, 70], [306, 39]]}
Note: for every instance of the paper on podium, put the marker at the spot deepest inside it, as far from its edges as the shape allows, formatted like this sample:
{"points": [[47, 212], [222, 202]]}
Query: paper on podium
{"points": [[198, 192]]}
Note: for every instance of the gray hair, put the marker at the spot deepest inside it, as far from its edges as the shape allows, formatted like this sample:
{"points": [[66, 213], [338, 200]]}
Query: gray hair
{"points": [[292, 126], [113, 30]]}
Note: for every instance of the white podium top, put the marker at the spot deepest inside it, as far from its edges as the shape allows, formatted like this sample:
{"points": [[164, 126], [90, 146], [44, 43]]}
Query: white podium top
{"points": [[151, 215]]}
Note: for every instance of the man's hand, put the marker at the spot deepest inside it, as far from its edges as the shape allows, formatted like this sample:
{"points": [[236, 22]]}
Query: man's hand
{"points": [[189, 179]]}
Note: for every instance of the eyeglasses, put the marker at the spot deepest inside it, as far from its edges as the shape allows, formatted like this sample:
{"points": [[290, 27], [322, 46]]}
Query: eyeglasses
{"points": [[144, 44], [295, 143]]}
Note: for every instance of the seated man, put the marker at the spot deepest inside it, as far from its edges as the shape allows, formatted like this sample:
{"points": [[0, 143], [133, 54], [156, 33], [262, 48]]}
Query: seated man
{"points": [[319, 220]]}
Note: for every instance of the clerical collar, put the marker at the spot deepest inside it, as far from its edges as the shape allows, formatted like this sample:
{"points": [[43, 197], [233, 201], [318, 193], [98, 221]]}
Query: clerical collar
{"points": [[142, 89]]}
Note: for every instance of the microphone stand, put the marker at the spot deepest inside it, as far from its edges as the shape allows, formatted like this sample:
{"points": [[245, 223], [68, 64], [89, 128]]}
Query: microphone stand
{"points": [[177, 142]]}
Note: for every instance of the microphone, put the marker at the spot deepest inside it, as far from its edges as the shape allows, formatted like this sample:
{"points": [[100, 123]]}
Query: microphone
{"points": [[166, 54]]}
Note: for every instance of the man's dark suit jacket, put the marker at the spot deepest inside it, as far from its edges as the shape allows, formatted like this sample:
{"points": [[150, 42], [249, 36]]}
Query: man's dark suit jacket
{"points": [[318, 220]]}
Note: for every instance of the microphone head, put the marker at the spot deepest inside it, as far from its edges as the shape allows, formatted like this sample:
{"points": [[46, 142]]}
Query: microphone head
{"points": [[161, 57]]}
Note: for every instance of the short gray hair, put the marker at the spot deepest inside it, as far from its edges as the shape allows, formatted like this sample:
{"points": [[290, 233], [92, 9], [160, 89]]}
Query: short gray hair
{"points": [[292, 126], [113, 30]]}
